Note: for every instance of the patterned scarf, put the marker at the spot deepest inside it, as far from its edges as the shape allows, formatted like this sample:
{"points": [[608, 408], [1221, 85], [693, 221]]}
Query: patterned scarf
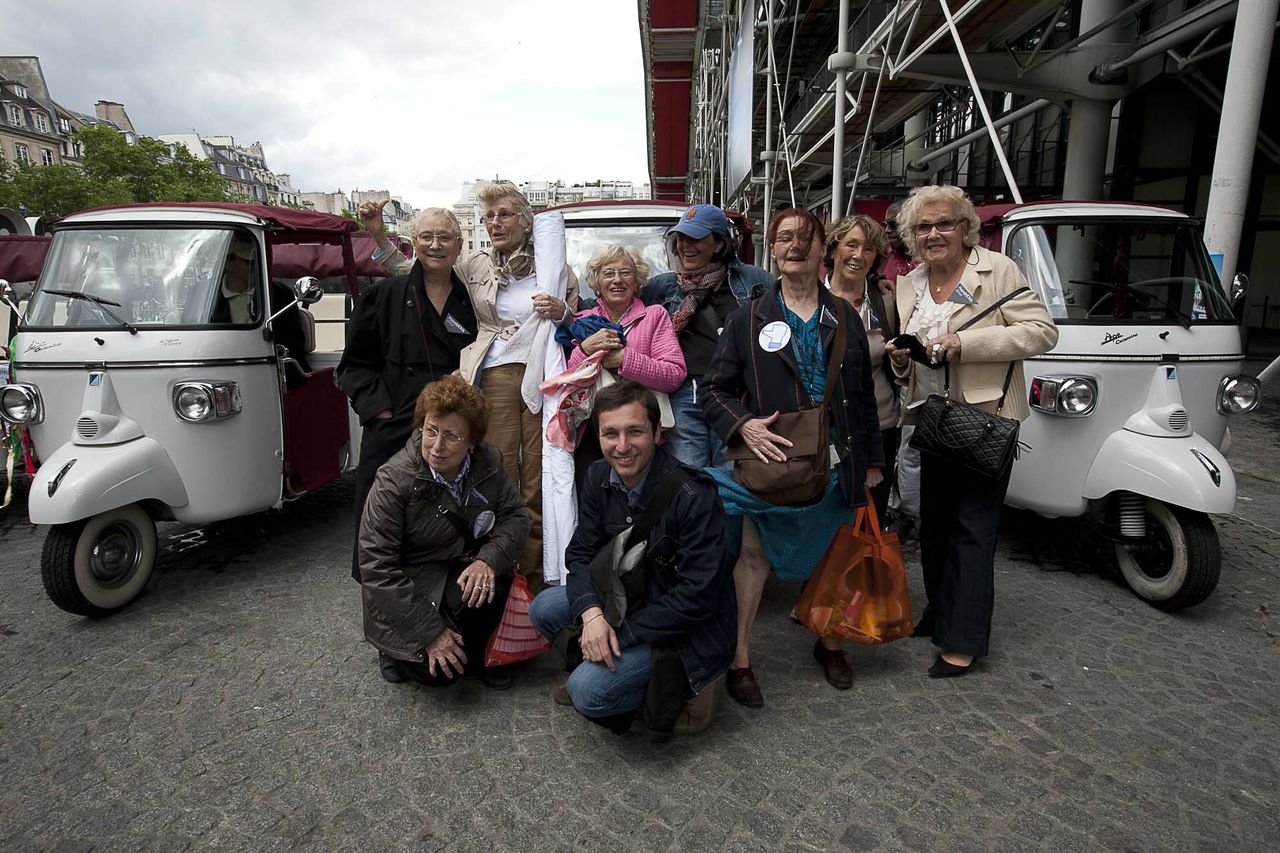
{"points": [[518, 265], [695, 285]]}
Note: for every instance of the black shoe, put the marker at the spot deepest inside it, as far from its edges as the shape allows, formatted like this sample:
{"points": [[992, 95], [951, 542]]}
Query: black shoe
{"points": [[742, 686], [924, 628], [497, 677], [943, 669], [834, 666], [390, 669], [904, 526]]}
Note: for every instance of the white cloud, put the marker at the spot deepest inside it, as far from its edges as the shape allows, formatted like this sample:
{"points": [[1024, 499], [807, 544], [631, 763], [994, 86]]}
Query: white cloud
{"points": [[415, 100]]}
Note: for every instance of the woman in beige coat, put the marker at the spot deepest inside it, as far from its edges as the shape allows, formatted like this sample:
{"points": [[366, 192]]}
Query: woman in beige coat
{"points": [[504, 292], [960, 510]]}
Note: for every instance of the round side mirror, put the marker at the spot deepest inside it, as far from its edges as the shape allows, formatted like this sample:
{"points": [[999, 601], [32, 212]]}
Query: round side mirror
{"points": [[8, 295], [307, 290]]}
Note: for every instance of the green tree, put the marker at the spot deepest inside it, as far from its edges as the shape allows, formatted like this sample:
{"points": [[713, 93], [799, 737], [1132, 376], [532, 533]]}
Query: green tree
{"points": [[112, 172]]}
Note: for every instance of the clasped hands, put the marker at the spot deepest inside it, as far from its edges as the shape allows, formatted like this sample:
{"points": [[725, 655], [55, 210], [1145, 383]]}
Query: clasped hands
{"points": [[605, 339]]}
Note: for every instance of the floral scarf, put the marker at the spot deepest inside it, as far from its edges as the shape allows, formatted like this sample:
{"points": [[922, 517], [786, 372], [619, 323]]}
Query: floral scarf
{"points": [[517, 265], [695, 285]]}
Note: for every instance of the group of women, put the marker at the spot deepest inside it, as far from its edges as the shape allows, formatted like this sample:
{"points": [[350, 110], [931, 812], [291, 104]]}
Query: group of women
{"points": [[740, 359]]}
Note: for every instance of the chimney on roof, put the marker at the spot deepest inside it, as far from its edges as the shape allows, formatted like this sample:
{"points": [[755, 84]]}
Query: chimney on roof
{"points": [[114, 113]]}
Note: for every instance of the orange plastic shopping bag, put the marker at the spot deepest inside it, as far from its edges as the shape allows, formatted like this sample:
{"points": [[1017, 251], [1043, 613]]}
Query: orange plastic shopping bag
{"points": [[858, 592], [515, 639]]}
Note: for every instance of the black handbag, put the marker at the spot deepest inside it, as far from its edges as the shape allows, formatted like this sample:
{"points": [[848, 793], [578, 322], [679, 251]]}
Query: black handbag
{"points": [[966, 435]]}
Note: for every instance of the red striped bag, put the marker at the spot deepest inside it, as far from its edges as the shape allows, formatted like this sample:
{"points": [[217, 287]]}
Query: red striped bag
{"points": [[515, 639]]}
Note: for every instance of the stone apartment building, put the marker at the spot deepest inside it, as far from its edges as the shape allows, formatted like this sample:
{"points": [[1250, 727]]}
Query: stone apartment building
{"points": [[33, 127], [243, 168]]}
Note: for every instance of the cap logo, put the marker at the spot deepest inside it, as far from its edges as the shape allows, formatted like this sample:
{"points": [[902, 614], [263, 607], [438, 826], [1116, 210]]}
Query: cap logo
{"points": [[690, 213]]}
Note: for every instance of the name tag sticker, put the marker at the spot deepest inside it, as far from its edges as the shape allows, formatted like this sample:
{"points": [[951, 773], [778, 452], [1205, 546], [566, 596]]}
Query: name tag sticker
{"points": [[835, 455], [453, 325], [775, 336]]}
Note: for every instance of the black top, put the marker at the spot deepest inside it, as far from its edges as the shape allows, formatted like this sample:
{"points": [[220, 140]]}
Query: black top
{"points": [[699, 338], [397, 342]]}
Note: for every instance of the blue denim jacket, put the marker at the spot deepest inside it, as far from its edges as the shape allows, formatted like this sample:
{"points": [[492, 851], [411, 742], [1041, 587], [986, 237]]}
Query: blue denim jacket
{"points": [[663, 290]]}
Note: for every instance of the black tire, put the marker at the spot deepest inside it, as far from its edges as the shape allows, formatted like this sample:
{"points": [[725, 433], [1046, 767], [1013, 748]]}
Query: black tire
{"points": [[1179, 563], [96, 581]]}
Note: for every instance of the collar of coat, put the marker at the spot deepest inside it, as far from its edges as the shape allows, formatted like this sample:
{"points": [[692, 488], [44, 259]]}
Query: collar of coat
{"points": [[484, 461], [633, 313], [661, 463]]}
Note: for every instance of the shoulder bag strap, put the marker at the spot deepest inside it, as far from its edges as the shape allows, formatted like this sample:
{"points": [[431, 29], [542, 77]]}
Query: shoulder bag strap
{"points": [[1008, 376], [989, 309], [835, 359], [666, 492]]}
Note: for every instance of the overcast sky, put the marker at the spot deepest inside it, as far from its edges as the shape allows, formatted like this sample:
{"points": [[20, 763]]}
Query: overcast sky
{"points": [[416, 97]]}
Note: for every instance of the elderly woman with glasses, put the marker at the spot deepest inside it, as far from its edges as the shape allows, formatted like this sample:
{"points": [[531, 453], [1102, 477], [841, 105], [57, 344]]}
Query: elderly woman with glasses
{"points": [[505, 293], [404, 332], [439, 537], [960, 511]]}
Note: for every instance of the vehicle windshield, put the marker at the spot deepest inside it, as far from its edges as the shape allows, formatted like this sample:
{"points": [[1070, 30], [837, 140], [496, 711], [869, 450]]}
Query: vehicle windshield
{"points": [[114, 278], [583, 241], [1121, 270]]}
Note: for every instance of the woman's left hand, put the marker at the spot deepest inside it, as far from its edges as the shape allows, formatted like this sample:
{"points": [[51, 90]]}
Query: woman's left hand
{"points": [[548, 307], [614, 359], [477, 584], [874, 477], [943, 348]]}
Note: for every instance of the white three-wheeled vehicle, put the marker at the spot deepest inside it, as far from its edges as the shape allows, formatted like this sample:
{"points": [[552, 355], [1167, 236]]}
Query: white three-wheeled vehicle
{"points": [[161, 374], [1130, 409]]}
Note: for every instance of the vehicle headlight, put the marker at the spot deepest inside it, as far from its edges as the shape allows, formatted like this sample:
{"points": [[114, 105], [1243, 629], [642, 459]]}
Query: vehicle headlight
{"points": [[196, 402], [21, 404], [1068, 396], [1238, 394]]}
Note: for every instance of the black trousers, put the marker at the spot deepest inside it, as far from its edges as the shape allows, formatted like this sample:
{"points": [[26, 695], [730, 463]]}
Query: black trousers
{"points": [[889, 439], [379, 441], [959, 528], [475, 624]]}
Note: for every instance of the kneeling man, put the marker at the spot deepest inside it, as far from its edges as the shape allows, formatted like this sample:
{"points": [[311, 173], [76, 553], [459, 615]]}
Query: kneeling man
{"points": [[681, 633]]}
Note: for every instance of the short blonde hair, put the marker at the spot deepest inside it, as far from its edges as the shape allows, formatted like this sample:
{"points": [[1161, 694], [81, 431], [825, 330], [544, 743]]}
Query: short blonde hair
{"points": [[420, 221], [961, 206], [608, 255], [871, 230], [490, 194]]}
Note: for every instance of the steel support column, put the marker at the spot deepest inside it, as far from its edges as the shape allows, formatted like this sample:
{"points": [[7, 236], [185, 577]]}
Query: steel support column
{"points": [[837, 144], [1089, 130], [1238, 129]]}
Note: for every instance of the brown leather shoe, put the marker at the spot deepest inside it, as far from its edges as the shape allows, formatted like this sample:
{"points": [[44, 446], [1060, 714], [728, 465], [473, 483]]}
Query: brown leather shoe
{"points": [[560, 694], [697, 713], [742, 686], [834, 666]]}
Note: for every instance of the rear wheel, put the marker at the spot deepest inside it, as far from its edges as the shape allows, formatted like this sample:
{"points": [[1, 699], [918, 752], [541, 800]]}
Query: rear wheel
{"points": [[1178, 563], [97, 566]]}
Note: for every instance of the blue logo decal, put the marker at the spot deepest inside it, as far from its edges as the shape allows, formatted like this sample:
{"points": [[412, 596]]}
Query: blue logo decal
{"points": [[95, 379]]}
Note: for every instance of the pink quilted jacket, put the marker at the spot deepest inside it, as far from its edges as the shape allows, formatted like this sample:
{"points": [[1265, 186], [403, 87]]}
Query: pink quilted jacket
{"points": [[652, 354]]}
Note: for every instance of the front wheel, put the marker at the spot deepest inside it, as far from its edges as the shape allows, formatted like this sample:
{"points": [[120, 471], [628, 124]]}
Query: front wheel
{"points": [[1178, 563], [97, 566]]}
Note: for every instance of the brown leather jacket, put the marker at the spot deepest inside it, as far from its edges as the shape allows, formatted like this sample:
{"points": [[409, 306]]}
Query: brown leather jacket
{"points": [[408, 545]]}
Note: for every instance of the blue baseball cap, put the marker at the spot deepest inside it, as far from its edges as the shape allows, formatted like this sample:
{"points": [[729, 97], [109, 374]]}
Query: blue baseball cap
{"points": [[700, 220]]}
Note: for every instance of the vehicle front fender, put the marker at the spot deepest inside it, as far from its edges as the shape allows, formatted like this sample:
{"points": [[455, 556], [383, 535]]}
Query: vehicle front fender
{"points": [[1186, 471], [89, 479]]}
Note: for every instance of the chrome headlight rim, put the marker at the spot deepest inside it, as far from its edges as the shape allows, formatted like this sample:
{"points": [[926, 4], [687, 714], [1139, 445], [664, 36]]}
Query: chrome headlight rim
{"points": [[202, 401], [1056, 390], [1227, 388], [29, 395]]}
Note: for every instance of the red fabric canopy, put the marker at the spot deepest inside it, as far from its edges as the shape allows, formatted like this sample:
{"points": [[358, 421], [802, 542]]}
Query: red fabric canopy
{"points": [[281, 217], [22, 256], [289, 260]]}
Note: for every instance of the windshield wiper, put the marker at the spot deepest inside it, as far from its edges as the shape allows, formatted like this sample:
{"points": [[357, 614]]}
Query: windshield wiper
{"points": [[1185, 319], [100, 303]]}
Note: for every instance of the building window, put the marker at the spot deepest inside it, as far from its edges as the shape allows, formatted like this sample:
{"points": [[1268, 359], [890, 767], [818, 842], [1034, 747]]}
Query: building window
{"points": [[46, 156], [15, 116], [21, 90], [20, 152], [42, 124], [64, 125]]}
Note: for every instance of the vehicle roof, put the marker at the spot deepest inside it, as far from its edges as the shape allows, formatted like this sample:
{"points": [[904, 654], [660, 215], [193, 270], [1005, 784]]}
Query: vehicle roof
{"points": [[620, 209], [217, 212], [1044, 209]]}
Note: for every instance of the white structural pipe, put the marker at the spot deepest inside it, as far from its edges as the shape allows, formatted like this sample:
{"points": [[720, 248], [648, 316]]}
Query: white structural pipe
{"points": [[1089, 129], [982, 104], [1238, 129], [837, 145], [768, 154], [927, 157]]}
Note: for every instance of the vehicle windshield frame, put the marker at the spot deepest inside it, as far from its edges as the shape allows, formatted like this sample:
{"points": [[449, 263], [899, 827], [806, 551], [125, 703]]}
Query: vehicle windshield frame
{"points": [[1171, 225], [656, 222], [60, 239]]}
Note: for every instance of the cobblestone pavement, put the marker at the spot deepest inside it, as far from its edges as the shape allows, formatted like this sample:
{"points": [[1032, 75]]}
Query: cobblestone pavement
{"points": [[236, 707]]}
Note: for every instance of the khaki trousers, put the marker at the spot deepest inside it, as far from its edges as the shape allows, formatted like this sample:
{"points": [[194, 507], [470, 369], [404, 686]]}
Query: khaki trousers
{"points": [[517, 432]]}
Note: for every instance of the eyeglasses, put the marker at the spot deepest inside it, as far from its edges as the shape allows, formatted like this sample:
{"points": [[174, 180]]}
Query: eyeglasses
{"points": [[450, 438], [786, 238], [436, 239], [503, 216], [944, 226], [620, 275]]}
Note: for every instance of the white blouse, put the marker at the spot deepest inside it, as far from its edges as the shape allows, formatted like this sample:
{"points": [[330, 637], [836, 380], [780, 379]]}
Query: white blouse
{"points": [[514, 303], [928, 320]]}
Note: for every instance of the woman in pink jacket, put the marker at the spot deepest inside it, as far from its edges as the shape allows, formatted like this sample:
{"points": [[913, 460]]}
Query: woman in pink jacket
{"points": [[645, 352]]}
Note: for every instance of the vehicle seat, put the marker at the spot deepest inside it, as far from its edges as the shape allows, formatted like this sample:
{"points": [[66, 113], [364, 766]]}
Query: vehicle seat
{"points": [[307, 321]]}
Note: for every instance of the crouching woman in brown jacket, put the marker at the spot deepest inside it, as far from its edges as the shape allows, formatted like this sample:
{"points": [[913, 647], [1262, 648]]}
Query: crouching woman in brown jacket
{"points": [[439, 538]]}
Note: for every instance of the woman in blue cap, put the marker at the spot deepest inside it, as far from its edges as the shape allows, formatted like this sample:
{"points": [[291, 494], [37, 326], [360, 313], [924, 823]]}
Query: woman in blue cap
{"points": [[706, 284]]}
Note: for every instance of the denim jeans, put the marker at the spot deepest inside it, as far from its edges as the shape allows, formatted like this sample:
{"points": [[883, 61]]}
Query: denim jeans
{"points": [[595, 691], [692, 440]]}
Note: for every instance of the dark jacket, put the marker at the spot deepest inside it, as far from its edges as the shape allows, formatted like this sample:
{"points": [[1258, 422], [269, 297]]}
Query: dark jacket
{"points": [[385, 364], [663, 289], [737, 393], [407, 544], [691, 601]]}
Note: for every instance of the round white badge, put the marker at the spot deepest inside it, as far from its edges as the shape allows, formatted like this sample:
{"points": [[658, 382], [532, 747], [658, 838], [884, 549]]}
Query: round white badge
{"points": [[775, 336]]}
